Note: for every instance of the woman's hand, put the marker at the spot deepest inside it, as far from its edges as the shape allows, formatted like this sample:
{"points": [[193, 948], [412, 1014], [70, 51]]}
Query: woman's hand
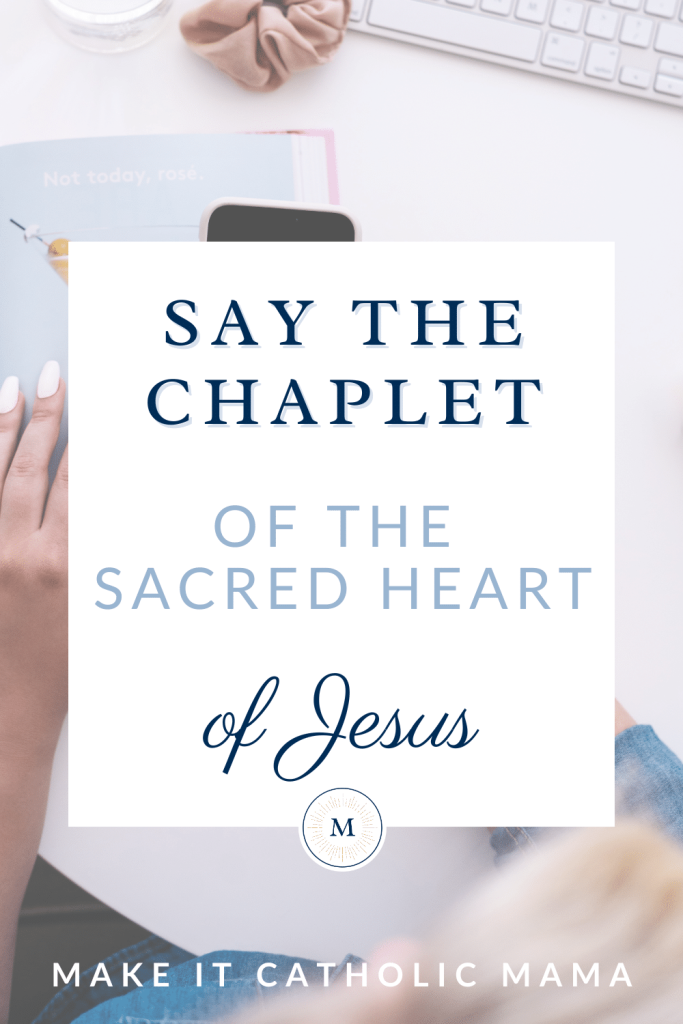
{"points": [[33, 571], [33, 638]]}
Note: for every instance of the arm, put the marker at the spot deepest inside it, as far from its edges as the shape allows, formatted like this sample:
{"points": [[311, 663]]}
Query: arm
{"points": [[33, 640], [622, 719]]}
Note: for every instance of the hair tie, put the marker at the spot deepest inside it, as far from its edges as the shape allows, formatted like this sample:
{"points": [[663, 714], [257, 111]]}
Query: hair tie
{"points": [[259, 44]]}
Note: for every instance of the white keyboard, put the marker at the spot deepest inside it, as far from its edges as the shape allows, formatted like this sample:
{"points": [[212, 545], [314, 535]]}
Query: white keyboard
{"points": [[627, 46]]}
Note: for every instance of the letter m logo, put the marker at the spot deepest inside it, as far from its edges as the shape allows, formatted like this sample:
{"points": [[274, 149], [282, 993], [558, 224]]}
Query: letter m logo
{"points": [[336, 828]]}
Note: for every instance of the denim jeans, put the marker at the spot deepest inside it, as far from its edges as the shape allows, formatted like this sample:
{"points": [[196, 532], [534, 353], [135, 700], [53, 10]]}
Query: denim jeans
{"points": [[183, 1001], [649, 784], [649, 781], [71, 1001]]}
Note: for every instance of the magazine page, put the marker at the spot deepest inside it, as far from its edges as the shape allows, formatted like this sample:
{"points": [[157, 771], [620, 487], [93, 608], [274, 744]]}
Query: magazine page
{"points": [[125, 188]]}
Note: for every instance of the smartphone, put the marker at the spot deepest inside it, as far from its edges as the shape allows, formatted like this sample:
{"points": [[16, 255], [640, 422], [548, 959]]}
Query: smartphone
{"points": [[264, 220]]}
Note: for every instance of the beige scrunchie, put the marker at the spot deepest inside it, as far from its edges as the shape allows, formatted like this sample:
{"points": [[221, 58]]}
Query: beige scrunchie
{"points": [[259, 45]]}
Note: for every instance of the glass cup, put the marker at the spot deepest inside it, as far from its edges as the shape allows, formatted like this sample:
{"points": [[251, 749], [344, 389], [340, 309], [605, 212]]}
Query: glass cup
{"points": [[107, 26]]}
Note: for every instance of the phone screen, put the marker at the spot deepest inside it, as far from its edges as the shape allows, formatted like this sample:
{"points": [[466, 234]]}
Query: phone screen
{"points": [[276, 224]]}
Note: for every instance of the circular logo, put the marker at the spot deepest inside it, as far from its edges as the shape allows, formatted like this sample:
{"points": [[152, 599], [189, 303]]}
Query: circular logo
{"points": [[342, 829]]}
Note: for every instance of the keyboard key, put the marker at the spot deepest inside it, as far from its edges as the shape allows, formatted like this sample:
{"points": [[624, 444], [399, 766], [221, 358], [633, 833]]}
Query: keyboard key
{"points": [[671, 67], [497, 6], [670, 86], [463, 3], [445, 24], [662, 8], [602, 23], [670, 40], [602, 61], [630, 5], [532, 10], [567, 15], [563, 52], [636, 77], [636, 31], [357, 7]]}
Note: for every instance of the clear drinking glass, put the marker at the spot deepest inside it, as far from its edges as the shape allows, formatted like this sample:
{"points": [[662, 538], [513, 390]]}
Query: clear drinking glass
{"points": [[108, 26]]}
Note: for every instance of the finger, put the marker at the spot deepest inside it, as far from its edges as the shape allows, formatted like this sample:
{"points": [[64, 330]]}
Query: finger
{"points": [[25, 490], [11, 413], [56, 514]]}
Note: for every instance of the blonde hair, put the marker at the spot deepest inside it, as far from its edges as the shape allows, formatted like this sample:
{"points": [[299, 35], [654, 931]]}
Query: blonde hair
{"points": [[606, 896]]}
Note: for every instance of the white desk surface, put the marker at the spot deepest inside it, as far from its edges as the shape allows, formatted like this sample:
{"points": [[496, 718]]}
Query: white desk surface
{"points": [[429, 146]]}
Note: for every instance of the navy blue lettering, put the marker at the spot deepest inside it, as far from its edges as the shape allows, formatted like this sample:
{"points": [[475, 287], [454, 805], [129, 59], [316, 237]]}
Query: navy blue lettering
{"points": [[298, 403], [452, 401], [342, 401], [217, 402], [181, 321], [239, 324], [517, 385], [331, 737], [152, 402], [374, 305], [423, 323], [281, 307], [492, 321], [396, 410]]}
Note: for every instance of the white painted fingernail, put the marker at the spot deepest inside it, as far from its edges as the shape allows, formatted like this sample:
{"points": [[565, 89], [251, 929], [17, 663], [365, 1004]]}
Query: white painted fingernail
{"points": [[9, 394], [48, 382]]}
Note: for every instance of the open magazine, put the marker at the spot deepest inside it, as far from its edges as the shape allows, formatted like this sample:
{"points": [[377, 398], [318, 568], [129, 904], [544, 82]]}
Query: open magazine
{"points": [[132, 188]]}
